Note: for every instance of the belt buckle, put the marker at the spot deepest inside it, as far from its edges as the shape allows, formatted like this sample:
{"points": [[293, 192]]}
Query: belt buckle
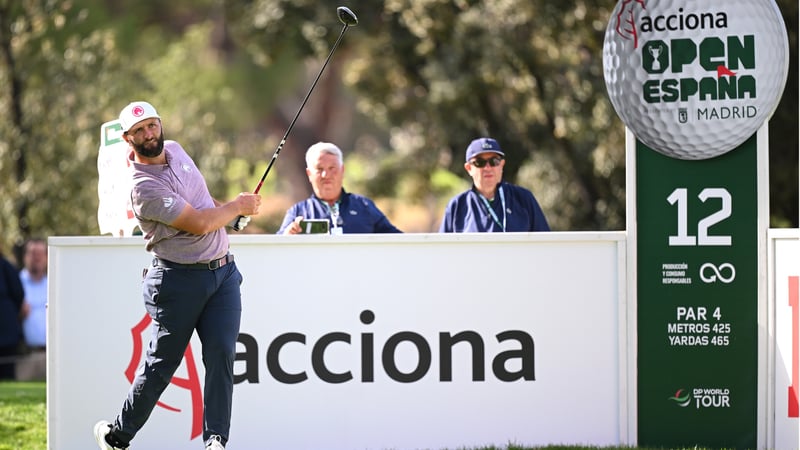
{"points": [[217, 263]]}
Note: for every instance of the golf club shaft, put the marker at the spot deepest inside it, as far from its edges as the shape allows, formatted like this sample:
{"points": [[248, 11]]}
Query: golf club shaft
{"points": [[291, 124], [302, 105]]}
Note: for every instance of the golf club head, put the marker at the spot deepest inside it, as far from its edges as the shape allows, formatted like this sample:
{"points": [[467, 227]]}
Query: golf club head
{"points": [[346, 16]]}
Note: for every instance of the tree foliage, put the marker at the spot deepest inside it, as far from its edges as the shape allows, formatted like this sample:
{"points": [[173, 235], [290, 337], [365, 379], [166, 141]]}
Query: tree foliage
{"points": [[57, 70], [408, 88], [435, 74], [68, 67]]}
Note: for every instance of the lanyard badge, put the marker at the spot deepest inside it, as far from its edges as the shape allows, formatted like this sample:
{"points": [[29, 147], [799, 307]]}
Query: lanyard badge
{"points": [[488, 205], [335, 217]]}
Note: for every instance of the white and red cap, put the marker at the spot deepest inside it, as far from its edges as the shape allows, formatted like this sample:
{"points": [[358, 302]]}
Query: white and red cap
{"points": [[136, 112]]}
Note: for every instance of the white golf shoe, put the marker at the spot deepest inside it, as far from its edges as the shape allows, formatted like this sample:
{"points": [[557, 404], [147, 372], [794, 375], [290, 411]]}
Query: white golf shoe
{"points": [[214, 443], [101, 430]]}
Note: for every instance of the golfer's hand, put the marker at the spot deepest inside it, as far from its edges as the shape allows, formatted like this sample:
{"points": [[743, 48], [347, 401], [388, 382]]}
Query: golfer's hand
{"points": [[248, 203], [294, 227]]}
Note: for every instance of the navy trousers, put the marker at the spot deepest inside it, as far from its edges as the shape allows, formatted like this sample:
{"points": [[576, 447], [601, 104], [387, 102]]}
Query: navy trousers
{"points": [[181, 301]]}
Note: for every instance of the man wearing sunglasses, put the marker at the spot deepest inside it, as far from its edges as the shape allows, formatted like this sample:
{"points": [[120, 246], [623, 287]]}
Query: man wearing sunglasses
{"points": [[491, 205]]}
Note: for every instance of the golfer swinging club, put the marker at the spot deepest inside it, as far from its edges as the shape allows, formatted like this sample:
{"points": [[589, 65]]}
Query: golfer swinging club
{"points": [[192, 283]]}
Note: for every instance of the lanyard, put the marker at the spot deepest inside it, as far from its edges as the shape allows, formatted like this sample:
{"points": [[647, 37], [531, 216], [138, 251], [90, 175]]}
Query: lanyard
{"points": [[491, 211], [334, 212]]}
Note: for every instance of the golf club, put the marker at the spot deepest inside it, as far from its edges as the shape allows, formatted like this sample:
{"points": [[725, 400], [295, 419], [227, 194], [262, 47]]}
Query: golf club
{"points": [[349, 19]]}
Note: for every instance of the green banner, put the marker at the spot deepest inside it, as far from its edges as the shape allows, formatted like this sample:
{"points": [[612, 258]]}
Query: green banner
{"points": [[697, 295]]}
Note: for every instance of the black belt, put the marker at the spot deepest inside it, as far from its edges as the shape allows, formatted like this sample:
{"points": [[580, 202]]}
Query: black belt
{"points": [[211, 265]]}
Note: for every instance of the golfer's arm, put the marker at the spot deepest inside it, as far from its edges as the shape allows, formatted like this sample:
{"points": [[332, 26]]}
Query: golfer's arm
{"points": [[202, 221]]}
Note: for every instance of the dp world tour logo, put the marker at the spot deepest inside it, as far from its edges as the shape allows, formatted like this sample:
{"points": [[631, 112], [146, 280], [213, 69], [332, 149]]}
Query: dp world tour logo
{"points": [[703, 398], [682, 398], [191, 383]]}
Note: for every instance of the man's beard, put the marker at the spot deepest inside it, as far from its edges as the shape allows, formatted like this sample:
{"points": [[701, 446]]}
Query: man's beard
{"points": [[153, 150]]}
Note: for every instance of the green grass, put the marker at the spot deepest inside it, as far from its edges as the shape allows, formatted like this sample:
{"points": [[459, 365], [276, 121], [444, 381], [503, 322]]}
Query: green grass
{"points": [[23, 416], [23, 421]]}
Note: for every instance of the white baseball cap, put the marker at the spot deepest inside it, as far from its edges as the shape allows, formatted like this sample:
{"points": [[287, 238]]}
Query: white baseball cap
{"points": [[136, 112]]}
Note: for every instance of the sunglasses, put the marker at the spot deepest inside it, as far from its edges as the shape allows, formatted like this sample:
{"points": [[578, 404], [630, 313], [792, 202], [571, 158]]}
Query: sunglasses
{"points": [[493, 161]]}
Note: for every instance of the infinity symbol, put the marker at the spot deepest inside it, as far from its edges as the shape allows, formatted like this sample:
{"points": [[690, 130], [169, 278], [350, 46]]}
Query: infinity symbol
{"points": [[717, 275]]}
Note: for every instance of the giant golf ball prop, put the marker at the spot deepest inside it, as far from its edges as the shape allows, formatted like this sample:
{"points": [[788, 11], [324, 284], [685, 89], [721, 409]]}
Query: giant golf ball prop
{"points": [[694, 79]]}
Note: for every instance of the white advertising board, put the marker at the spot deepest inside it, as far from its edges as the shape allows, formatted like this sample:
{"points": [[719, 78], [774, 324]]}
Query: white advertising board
{"points": [[344, 342], [784, 298]]}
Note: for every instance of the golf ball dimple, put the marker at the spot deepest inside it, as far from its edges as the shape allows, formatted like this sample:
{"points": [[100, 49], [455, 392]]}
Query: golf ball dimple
{"points": [[694, 79]]}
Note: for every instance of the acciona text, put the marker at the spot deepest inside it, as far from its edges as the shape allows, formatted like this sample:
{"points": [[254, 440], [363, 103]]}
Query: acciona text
{"points": [[519, 355]]}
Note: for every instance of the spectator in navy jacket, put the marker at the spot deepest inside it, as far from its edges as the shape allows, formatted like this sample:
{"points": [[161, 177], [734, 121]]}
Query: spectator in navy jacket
{"points": [[491, 205], [346, 212]]}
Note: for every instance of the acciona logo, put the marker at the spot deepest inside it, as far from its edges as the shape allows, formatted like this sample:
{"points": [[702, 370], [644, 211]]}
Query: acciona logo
{"points": [[515, 362], [680, 20], [693, 82], [628, 27], [385, 358]]}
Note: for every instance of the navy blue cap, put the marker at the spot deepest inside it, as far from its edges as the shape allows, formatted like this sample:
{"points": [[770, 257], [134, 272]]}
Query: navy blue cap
{"points": [[483, 145]]}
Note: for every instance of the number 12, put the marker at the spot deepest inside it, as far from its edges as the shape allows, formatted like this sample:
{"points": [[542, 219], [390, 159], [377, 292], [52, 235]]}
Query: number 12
{"points": [[679, 196]]}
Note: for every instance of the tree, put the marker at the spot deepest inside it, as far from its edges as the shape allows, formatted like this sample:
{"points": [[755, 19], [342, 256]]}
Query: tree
{"points": [[50, 127], [408, 88], [68, 67], [434, 74], [783, 145], [437, 74]]}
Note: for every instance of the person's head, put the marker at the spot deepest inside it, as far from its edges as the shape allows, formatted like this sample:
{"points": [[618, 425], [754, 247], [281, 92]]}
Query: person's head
{"points": [[141, 129], [325, 170], [35, 257], [484, 163]]}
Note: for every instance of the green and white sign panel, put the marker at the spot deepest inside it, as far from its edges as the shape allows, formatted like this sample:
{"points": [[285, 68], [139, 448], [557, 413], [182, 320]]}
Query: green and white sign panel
{"points": [[697, 294], [695, 81]]}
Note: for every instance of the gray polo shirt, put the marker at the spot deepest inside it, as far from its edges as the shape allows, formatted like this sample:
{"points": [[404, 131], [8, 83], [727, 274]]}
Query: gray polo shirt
{"points": [[159, 194]]}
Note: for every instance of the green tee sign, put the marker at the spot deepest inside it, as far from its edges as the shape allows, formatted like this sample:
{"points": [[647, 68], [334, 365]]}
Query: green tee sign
{"points": [[697, 297], [695, 81]]}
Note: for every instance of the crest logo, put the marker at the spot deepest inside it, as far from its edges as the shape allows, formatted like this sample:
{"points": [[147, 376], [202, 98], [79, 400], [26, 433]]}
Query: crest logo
{"points": [[137, 111], [683, 115]]}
